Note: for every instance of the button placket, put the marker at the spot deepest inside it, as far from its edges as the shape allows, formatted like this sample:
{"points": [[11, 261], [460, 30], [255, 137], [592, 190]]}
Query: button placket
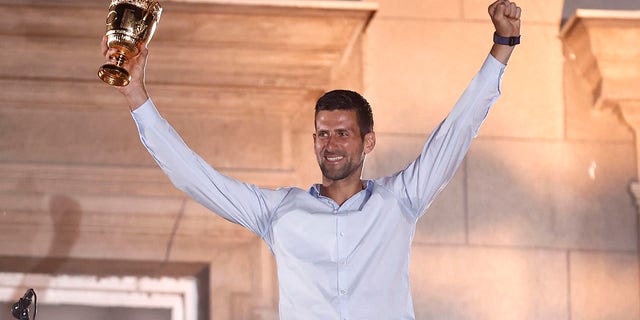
{"points": [[341, 266]]}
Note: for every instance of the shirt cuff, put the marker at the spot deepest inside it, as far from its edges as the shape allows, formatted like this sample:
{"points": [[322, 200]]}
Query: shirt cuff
{"points": [[146, 114], [492, 66]]}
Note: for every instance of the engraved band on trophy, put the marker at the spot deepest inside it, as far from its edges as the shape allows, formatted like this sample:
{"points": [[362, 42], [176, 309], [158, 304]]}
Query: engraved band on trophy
{"points": [[129, 23]]}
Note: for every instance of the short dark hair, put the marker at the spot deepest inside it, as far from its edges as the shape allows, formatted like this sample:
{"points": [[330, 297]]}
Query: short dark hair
{"points": [[348, 100]]}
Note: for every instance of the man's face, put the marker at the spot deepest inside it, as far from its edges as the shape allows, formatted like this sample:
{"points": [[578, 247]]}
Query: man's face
{"points": [[339, 148]]}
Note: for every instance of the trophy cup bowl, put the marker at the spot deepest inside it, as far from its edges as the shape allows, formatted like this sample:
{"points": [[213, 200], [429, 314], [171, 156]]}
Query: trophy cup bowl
{"points": [[129, 23]]}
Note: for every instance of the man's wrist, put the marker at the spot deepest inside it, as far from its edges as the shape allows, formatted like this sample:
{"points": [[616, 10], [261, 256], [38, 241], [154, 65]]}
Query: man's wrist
{"points": [[508, 41], [136, 99]]}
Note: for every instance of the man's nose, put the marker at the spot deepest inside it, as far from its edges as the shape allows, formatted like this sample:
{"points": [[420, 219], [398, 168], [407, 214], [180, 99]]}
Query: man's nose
{"points": [[330, 144]]}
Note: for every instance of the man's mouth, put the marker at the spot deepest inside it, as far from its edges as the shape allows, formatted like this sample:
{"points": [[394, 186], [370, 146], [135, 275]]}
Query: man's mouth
{"points": [[333, 158]]}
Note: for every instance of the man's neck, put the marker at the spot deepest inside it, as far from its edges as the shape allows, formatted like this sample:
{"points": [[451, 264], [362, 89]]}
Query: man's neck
{"points": [[341, 190]]}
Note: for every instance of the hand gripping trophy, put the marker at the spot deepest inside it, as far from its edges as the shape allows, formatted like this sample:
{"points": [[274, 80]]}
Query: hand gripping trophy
{"points": [[129, 23]]}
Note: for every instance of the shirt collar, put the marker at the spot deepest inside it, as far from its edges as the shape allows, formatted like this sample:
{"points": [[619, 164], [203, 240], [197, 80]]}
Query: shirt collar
{"points": [[315, 189]]}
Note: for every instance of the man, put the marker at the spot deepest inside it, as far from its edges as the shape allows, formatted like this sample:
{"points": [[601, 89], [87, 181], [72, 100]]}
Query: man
{"points": [[342, 248]]}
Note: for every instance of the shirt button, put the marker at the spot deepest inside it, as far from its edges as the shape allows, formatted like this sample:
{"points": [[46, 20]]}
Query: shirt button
{"points": [[342, 234], [343, 292]]}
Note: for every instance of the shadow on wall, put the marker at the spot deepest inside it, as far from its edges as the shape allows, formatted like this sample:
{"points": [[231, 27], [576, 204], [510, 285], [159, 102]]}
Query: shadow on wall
{"points": [[66, 215], [65, 218]]}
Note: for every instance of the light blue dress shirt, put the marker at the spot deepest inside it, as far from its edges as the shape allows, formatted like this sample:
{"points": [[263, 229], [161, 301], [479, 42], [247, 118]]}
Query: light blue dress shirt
{"points": [[334, 262]]}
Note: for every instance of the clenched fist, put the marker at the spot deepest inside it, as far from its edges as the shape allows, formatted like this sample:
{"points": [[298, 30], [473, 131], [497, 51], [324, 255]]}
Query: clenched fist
{"points": [[505, 16]]}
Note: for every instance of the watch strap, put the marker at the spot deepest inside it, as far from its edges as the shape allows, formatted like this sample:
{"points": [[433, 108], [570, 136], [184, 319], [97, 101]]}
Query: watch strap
{"points": [[509, 41]]}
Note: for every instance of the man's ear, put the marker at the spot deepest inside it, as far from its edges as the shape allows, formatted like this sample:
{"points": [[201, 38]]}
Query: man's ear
{"points": [[369, 142]]}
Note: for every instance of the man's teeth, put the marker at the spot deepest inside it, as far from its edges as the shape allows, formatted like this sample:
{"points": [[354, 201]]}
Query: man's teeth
{"points": [[334, 158]]}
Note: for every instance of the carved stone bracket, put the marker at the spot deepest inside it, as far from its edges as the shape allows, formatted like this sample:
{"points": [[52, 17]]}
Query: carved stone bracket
{"points": [[603, 46]]}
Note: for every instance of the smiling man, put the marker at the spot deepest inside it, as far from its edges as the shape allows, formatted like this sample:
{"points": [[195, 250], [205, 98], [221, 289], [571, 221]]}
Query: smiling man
{"points": [[344, 135], [342, 247]]}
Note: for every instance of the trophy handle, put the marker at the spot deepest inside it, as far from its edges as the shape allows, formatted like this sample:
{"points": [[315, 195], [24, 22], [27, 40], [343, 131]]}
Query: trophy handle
{"points": [[141, 26], [149, 9]]}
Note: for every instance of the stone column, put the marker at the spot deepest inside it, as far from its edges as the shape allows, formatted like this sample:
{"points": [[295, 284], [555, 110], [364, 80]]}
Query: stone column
{"points": [[603, 46]]}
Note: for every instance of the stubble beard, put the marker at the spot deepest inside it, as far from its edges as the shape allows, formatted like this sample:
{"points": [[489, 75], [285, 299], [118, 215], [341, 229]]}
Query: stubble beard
{"points": [[338, 173]]}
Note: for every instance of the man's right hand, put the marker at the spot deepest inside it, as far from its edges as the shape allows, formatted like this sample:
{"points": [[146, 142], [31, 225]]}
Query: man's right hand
{"points": [[135, 92]]}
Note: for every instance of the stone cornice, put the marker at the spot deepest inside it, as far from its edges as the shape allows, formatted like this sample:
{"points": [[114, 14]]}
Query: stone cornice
{"points": [[603, 46]]}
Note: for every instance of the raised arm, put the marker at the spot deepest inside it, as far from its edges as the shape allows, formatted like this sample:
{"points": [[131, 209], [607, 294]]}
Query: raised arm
{"points": [[238, 202], [420, 182]]}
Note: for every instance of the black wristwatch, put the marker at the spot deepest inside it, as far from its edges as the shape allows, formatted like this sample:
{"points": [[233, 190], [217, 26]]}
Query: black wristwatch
{"points": [[509, 41]]}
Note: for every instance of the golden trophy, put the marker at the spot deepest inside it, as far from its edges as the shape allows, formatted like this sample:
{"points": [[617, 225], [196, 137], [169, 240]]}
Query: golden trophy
{"points": [[129, 23]]}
